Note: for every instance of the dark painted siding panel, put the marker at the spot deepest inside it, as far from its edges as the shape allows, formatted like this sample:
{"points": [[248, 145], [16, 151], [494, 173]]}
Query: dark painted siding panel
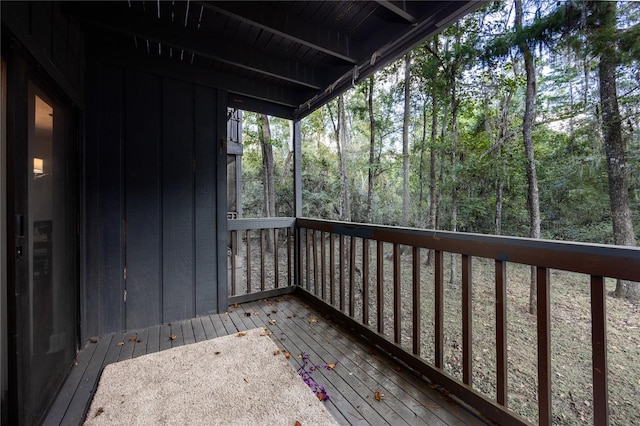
{"points": [[103, 286], [143, 200], [177, 201], [205, 200], [41, 22], [111, 203]]}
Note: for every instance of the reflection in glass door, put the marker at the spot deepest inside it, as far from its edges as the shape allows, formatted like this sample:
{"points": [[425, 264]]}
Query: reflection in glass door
{"points": [[50, 327]]}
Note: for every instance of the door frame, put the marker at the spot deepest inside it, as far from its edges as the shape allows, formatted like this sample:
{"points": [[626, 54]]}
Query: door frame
{"points": [[21, 71]]}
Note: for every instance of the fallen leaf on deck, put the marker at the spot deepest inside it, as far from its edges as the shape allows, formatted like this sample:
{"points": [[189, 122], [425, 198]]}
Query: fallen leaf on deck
{"points": [[377, 395], [287, 355], [247, 314], [139, 341], [277, 352], [273, 311], [132, 338], [235, 305], [314, 319], [172, 337], [256, 313], [331, 365], [120, 343], [272, 321], [94, 340], [242, 333]]}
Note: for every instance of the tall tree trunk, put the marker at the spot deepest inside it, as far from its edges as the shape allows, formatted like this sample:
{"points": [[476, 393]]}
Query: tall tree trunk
{"points": [[454, 165], [267, 174], [423, 143], [405, 140], [372, 152], [503, 137], [613, 143], [342, 156], [433, 152], [533, 199]]}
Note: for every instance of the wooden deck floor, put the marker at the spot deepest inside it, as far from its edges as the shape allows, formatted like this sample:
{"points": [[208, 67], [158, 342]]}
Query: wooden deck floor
{"points": [[296, 327]]}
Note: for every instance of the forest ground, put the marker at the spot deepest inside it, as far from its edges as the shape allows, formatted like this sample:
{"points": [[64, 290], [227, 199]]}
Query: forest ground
{"points": [[571, 372]]}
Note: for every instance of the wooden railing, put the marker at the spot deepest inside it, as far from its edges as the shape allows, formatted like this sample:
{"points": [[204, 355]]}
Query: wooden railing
{"points": [[255, 268], [358, 271]]}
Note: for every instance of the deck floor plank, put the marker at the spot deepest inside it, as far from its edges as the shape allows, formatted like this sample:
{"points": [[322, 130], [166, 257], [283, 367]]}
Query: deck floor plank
{"points": [[165, 337], [126, 350], [177, 339], [87, 386], [208, 327], [218, 326], [198, 330], [188, 333], [68, 389], [153, 339], [295, 327], [140, 345]]}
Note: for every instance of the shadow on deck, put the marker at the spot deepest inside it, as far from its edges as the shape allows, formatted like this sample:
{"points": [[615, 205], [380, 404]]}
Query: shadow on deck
{"points": [[296, 327]]}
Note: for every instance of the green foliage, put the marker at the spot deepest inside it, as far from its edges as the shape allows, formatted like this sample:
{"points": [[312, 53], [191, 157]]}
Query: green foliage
{"points": [[477, 55]]}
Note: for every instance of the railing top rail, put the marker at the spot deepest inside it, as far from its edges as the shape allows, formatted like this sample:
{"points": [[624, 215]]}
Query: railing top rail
{"points": [[594, 259], [260, 223]]}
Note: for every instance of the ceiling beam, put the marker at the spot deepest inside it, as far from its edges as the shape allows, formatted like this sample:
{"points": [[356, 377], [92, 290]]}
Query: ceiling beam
{"points": [[400, 11], [199, 42], [310, 34]]}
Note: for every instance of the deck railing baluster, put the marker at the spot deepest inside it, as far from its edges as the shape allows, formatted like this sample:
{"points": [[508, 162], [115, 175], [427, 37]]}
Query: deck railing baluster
{"points": [[397, 302], [316, 287], [262, 252], [248, 261], [599, 351], [439, 308], [416, 301], [234, 250], [308, 258], [501, 331], [365, 281], [352, 276], [323, 263], [276, 258], [544, 346], [341, 295], [380, 285], [289, 263], [332, 268], [467, 321]]}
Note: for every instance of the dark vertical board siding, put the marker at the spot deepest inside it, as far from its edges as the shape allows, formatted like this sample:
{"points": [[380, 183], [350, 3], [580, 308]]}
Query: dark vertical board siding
{"points": [[41, 23], [110, 205], [143, 199], [205, 200], [60, 40], [177, 200], [221, 199], [103, 287]]}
